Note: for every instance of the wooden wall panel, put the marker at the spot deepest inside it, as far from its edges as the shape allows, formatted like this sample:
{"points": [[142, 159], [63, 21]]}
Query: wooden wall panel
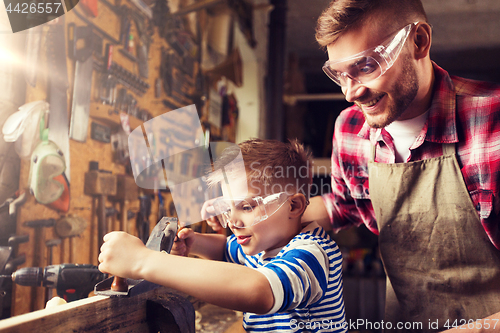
{"points": [[83, 249]]}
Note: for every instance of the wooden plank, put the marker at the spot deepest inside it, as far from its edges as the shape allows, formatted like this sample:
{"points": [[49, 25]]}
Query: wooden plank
{"points": [[93, 314]]}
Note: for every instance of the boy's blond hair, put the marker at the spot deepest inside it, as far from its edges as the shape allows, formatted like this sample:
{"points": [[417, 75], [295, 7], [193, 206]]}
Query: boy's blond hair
{"points": [[271, 166]]}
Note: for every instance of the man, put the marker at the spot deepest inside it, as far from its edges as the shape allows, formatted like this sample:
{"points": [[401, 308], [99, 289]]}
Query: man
{"points": [[417, 160]]}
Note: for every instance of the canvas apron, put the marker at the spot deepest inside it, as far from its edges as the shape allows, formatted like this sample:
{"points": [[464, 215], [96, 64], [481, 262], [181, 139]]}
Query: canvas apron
{"points": [[441, 266]]}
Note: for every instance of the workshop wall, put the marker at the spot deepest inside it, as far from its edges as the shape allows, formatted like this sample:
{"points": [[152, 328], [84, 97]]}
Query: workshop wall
{"points": [[124, 88]]}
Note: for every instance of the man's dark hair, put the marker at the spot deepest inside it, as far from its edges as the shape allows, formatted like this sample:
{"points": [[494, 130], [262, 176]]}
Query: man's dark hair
{"points": [[343, 15]]}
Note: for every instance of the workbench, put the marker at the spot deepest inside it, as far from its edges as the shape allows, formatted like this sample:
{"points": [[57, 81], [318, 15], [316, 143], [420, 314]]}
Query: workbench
{"points": [[159, 310]]}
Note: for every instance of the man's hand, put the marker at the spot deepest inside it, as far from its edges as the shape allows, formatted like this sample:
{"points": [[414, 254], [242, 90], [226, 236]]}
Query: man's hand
{"points": [[123, 255], [183, 242], [208, 214]]}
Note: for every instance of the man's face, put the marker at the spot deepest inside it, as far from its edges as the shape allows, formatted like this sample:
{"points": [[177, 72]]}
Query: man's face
{"points": [[388, 97]]}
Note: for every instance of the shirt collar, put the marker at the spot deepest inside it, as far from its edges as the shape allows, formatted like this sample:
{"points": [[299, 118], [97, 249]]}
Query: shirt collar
{"points": [[441, 125], [442, 113], [308, 228]]}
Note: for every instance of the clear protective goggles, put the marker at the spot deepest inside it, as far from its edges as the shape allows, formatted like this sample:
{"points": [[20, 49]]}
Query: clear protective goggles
{"points": [[370, 64], [246, 212]]}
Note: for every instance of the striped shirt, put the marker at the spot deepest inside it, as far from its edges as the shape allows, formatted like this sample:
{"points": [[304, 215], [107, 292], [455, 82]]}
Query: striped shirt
{"points": [[306, 279], [464, 112]]}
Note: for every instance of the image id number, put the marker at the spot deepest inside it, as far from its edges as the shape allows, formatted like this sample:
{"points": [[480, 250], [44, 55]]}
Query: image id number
{"points": [[472, 324], [40, 8]]}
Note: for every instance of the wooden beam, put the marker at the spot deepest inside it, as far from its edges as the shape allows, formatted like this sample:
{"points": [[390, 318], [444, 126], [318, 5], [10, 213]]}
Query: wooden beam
{"points": [[105, 314]]}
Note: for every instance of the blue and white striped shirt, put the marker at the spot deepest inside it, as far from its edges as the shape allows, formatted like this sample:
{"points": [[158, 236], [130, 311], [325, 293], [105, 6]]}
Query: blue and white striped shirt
{"points": [[306, 280]]}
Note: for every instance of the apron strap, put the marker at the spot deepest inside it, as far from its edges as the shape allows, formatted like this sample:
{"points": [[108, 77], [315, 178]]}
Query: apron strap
{"points": [[448, 149]]}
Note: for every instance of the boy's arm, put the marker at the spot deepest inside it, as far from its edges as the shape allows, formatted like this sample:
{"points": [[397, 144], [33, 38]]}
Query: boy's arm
{"points": [[224, 284]]}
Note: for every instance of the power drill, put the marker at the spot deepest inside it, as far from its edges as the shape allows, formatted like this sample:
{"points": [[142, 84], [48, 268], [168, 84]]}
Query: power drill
{"points": [[71, 281]]}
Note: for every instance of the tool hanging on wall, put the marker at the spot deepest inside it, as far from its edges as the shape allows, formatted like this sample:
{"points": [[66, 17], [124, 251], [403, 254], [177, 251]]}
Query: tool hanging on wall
{"points": [[140, 51], [101, 32], [8, 216], [50, 244], [32, 52], [124, 77], [126, 192], [100, 132], [9, 260], [58, 85], [46, 164], [38, 241], [107, 83], [142, 217], [142, 47], [22, 127], [119, 144], [90, 7], [100, 184], [67, 228], [82, 43]]}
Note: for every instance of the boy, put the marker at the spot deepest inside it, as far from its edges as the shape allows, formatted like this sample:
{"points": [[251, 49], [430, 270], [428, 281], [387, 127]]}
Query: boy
{"points": [[289, 276]]}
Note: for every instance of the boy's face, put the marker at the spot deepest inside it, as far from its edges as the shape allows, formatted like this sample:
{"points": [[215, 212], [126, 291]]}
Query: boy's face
{"points": [[271, 233]]}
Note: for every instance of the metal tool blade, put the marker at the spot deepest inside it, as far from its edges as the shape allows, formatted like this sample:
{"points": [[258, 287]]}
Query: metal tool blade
{"points": [[32, 51], [5, 252], [163, 235], [58, 85], [81, 100]]}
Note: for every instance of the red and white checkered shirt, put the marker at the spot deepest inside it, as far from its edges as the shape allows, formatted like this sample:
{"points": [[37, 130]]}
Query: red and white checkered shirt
{"points": [[464, 112]]}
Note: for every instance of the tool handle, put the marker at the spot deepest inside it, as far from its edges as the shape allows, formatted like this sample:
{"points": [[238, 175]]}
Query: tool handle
{"points": [[102, 228], [119, 284]]}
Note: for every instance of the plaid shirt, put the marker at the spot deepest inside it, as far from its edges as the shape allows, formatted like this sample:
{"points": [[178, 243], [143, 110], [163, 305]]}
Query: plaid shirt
{"points": [[463, 111]]}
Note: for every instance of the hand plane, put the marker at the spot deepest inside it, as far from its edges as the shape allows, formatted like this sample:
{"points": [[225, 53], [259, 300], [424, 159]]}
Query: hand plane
{"points": [[161, 239]]}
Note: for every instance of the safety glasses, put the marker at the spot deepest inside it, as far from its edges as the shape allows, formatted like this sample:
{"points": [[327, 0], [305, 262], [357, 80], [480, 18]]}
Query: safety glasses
{"points": [[370, 64], [246, 212]]}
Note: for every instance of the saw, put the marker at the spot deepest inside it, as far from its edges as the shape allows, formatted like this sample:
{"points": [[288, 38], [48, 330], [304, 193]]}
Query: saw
{"points": [[58, 100]]}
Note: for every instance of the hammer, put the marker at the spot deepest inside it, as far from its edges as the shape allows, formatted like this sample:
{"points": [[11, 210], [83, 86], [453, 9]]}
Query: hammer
{"points": [[69, 227], [50, 245], [39, 238], [126, 191], [100, 184]]}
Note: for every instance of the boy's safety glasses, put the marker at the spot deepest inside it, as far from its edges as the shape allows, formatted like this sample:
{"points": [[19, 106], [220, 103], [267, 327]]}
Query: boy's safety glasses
{"points": [[370, 64], [246, 212]]}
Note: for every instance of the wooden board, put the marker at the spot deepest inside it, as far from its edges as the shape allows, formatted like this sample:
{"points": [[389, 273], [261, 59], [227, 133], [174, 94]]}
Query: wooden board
{"points": [[99, 314]]}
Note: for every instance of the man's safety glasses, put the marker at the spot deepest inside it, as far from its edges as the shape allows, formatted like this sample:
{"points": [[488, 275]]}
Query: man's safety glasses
{"points": [[370, 64], [245, 212]]}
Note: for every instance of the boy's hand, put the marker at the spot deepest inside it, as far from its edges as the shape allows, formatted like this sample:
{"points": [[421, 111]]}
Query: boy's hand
{"points": [[208, 214], [183, 242], [122, 255]]}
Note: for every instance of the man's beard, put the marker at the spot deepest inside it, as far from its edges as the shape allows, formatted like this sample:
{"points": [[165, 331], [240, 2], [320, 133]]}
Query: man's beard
{"points": [[404, 90]]}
